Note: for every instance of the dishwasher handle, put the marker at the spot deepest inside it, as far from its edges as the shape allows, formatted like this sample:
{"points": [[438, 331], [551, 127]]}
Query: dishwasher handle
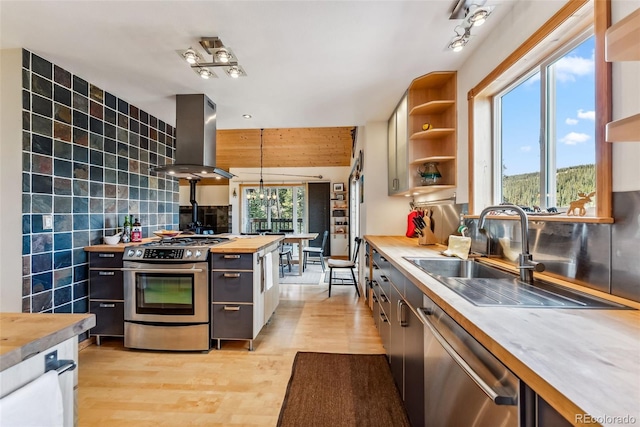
{"points": [[496, 397]]}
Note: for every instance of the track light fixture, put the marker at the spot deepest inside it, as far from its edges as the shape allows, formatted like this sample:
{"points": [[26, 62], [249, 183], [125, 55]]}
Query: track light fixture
{"points": [[221, 56], [473, 13]]}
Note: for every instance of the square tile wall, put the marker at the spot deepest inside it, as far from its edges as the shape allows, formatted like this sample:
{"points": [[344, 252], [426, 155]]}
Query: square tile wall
{"points": [[85, 159]]}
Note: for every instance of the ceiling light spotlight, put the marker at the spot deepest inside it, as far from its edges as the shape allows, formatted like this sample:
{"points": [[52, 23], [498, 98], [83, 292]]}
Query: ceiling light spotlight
{"points": [[246, 116], [458, 43], [190, 56], [478, 16], [234, 72], [223, 55], [204, 73]]}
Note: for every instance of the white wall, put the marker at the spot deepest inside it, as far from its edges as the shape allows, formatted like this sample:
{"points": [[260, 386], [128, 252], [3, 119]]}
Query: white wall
{"points": [[626, 102], [380, 214], [206, 195], [11, 180], [520, 20]]}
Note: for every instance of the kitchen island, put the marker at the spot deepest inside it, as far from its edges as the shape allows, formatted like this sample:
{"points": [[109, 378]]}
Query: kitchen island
{"points": [[28, 339], [239, 276], [584, 362]]}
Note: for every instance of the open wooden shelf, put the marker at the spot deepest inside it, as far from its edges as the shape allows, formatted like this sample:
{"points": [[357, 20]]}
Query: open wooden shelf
{"points": [[621, 44], [432, 107], [432, 134], [624, 130], [438, 159], [621, 39], [425, 189]]}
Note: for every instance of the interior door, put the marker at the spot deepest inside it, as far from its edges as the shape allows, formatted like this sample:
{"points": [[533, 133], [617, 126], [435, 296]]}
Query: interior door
{"points": [[319, 212]]}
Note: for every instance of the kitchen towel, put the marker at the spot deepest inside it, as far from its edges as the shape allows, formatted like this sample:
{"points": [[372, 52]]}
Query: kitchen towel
{"points": [[37, 404], [267, 262], [458, 246]]}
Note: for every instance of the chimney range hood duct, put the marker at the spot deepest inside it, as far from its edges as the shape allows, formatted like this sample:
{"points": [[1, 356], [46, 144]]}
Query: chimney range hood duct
{"points": [[195, 155]]}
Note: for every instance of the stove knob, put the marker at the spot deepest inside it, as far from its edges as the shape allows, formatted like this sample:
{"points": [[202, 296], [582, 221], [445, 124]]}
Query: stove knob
{"points": [[198, 254], [188, 253], [130, 252], [138, 253]]}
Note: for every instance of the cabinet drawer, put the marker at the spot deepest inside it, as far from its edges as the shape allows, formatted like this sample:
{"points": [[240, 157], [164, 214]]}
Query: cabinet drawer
{"points": [[105, 259], [232, 321], [232, 286], [232, 261], [106, 284], [380, 261], [109, 317]]}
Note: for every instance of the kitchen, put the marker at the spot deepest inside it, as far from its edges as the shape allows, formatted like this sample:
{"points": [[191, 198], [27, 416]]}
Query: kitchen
{"points": [[372, 140]]}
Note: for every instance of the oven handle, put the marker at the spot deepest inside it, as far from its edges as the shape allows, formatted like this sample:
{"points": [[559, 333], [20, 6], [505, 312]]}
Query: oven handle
{"points": [[164, 270], [486, 388]]}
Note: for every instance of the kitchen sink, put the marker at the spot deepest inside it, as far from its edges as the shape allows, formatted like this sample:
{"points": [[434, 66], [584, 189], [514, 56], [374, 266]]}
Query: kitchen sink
{"points": [[484, 285]]}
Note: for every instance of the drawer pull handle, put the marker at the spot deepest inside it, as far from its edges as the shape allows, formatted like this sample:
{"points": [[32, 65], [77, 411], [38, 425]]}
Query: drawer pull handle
{"points": [[383, 259], [384, 278], [106, 273], [231, 308], [231, 256], [106, 255], [383, 318], [231, 275], [103, 305], [384, 298]]}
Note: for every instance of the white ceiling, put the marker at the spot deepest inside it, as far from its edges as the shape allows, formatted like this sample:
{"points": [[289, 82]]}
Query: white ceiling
{"points": [[308, 63]]}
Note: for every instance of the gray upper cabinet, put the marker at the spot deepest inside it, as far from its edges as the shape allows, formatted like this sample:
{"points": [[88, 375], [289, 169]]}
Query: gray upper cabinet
{"points": [[397, 149]]}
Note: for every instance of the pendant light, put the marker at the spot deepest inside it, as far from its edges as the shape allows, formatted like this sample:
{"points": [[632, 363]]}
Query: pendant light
{"points": [[261, 188]]}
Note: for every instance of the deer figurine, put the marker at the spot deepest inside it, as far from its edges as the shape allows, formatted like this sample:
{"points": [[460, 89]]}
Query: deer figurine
{"points": [[579, 204]]}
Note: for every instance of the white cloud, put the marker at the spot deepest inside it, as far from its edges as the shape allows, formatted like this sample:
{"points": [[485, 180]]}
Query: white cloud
{"points": [[570, 67], [574, 138], [589, 115], [571, 121], [525, 148]]}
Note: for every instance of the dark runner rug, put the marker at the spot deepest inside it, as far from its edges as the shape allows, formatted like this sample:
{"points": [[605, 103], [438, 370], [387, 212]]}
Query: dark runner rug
{"points": [[330, 389]]}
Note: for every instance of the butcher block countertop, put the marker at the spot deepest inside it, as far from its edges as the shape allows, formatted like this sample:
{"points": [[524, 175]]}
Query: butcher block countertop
{"points": [[25, 334], [238, 244], [581, 361]]}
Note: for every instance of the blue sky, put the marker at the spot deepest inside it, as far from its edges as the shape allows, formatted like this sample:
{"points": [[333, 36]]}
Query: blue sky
{"points": [[574, 115]]}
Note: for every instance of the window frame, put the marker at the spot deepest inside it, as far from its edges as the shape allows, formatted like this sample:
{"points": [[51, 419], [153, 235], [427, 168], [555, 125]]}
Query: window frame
{"points": [[547, 143], [600, 22]]}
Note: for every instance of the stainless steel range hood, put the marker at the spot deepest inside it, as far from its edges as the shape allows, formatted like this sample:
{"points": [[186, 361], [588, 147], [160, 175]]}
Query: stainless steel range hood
{"points": [[195, 155]]}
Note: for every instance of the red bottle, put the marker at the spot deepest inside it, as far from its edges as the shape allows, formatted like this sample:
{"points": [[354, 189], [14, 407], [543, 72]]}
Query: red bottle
{"points": [[136, 231]]}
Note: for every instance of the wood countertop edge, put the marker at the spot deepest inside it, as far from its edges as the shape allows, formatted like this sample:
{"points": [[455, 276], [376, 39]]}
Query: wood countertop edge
{"points": [[238, 245], [548, 389], [12, 354]]}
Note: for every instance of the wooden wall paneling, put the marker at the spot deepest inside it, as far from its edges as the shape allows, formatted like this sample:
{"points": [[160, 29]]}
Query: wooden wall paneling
{"points": [[291, 147]]}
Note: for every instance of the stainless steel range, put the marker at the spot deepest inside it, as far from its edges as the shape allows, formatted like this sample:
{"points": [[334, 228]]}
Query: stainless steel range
{"points": [[167, 294]]}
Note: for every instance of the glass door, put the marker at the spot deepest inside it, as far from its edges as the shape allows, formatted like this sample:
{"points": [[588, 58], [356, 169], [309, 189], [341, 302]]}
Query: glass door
{"points": [[165, 294], [275, 209]]}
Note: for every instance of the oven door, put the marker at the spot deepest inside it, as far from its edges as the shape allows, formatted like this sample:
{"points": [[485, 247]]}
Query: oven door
{"points": [[166, 293]]}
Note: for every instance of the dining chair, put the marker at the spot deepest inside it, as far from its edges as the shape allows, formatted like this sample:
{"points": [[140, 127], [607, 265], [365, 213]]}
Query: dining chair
{"points": [[285, 252], [315, 251], [345, 263]]}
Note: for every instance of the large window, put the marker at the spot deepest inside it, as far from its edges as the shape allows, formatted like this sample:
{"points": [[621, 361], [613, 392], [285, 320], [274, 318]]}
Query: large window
{"points": [[274, 209], [544, 130]]}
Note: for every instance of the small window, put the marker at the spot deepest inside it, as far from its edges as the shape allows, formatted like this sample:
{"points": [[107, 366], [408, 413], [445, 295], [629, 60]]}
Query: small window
{"points": [[544, 128]]}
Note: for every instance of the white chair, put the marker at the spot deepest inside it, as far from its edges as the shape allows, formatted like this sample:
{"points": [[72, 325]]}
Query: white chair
{"points": [[345, 263]]}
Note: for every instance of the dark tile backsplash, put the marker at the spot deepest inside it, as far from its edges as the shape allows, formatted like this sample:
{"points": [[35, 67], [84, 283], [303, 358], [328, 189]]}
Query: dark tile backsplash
{"points": [[86, 159]]}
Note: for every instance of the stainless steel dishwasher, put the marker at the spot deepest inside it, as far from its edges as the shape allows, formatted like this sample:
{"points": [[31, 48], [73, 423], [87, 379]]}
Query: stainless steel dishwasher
{"points": [[465, 385]]}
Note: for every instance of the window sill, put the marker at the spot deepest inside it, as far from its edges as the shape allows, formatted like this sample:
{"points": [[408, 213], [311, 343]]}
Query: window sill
{"points": [[552, 218]]}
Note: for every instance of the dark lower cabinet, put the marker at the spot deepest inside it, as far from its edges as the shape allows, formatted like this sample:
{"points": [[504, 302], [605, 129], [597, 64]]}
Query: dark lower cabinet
{"points": [[402, 334], [106, 294]]}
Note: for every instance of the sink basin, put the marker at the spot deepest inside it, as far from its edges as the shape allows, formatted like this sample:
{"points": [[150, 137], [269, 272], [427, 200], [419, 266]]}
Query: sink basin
{"points": [[454, 267], [484, 285]]}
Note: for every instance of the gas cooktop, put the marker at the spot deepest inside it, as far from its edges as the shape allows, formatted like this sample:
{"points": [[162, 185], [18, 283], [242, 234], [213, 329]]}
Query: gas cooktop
{"points": [[176, 249]]}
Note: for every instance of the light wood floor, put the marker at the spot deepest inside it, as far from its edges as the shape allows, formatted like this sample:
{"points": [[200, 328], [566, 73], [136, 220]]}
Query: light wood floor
{"points": [[227, 387]]}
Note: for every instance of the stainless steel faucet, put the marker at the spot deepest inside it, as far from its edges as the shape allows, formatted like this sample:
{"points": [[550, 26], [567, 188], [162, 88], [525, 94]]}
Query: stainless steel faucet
{"points": [[526, 264]]}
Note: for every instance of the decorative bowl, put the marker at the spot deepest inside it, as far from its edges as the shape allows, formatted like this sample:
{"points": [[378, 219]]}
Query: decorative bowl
{"points": [[166, 234], [112, 240]]}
